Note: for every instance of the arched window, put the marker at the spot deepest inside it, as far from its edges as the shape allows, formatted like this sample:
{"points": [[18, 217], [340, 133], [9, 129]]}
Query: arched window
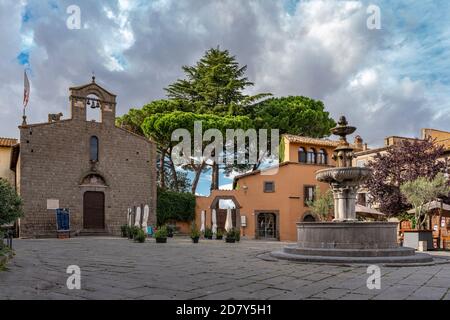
{"points": [[94, 149], [322, 157], [308, 217], [311, 156], [301, 155]]}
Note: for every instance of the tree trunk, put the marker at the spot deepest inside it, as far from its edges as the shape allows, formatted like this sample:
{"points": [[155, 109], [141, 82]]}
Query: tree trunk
{"points": [[215, 176], [162, 180], [174, 172], [198, 172]]}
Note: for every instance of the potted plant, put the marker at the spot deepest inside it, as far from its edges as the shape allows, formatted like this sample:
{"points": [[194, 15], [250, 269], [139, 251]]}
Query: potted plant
{"points": [[133, 232], [208, 233], [195, 234], [161, 235], [219, 235], [230, 236], [170, 229], [237, 234], [140, 236], [124, 230]]}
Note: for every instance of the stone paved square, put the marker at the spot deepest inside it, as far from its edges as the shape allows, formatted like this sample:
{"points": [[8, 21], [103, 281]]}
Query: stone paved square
{"points": [[117, 268]]}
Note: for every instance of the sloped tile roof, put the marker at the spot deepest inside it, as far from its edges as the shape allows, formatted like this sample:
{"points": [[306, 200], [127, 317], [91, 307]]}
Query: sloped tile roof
{"points": [[314, 141], [7, 142]]}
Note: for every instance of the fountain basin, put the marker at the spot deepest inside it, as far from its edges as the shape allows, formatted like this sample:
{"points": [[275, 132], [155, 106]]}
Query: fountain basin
{"points": [[349, 242], [353, 175]]}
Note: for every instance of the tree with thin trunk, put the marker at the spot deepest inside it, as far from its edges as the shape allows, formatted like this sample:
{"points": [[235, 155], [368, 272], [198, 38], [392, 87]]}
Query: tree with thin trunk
{"points": [[421, 192], [322, 205]]}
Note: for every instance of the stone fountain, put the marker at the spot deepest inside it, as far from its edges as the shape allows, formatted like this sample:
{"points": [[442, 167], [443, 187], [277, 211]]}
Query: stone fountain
{"points": [[345, 239]]}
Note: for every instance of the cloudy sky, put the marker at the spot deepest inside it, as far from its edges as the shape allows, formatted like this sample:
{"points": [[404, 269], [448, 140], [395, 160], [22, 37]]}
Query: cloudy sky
{"points": [[389, 81]]}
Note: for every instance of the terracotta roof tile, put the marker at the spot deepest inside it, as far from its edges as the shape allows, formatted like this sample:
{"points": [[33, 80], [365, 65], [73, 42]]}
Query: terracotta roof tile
{"points": [[308, 140], [7, 142], [315, 141]]}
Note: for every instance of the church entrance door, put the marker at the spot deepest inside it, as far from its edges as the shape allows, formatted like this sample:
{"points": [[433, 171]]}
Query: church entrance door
{"points": [[94, 210]]}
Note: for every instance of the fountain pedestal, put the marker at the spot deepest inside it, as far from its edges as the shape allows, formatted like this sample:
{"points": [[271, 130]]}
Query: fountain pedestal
{"points": [[347, 240]]}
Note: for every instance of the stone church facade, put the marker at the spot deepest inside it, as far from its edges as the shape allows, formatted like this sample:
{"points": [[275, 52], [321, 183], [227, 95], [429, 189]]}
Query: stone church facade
{"points": [[94, 168]]}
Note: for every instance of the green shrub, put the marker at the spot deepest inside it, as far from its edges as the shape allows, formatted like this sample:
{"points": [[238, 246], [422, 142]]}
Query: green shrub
{"points": [[176, 206], [234, 234], [10, 203], [237, 234], [208, 233], [161, 232], [124, 230], [219, 234], [195, 233], [140, 236], [230, 234], [133, 231]]}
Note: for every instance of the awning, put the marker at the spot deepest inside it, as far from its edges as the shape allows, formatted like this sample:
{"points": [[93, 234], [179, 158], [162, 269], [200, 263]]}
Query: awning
{"points": [[433, 205], [364, 211]]}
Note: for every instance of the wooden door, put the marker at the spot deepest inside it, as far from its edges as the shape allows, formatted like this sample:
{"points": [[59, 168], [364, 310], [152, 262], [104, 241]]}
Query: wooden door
{"points": [[94, 210]]}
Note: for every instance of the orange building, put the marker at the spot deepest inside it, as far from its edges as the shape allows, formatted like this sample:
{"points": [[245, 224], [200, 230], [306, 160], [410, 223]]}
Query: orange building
{"points": [[267, 206]]}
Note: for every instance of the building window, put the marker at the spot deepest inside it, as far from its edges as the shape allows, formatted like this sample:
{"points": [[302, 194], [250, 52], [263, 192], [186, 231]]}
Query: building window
{"points": [[301, 155], [362, 199], [311, 156], [94, 149], [322, 157], [308, 192], [361, 163], [269, 186]]}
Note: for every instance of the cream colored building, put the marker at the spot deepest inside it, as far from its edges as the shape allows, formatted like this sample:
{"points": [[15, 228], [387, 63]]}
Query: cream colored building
{"points": [[6, 152]]}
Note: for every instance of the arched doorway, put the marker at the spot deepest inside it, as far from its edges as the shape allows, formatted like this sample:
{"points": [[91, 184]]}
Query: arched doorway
{"points": [[93, 210], [221, 204], [266, 226]]}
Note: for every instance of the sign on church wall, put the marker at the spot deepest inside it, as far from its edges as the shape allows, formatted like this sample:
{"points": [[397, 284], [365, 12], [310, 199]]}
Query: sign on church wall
{"points": [[52, 204]]}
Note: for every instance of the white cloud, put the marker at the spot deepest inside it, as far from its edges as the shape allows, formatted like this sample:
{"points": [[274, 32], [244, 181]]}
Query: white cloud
{"points": [[323, 50]]}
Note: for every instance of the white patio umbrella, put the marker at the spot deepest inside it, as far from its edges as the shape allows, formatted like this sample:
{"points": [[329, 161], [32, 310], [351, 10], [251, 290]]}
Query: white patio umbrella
{"points": [[214, 221], [228, 221], [130, 217], [202, 221], [137, 221], [145, 218]]}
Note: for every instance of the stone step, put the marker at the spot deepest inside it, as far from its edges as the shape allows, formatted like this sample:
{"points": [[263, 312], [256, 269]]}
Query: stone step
{"points": [[417, 258], [329, 252], [93, 233]]}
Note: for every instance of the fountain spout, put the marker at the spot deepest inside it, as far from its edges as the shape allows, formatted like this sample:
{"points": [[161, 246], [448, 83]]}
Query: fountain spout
{"points": [[344, 179]]}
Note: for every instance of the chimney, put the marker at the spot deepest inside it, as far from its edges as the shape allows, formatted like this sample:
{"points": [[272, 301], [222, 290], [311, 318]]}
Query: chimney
{"points": [[358, 142]]}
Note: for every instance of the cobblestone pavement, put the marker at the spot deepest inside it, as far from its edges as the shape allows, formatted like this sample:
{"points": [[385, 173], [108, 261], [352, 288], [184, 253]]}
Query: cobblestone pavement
{"points": [[114, 268]]}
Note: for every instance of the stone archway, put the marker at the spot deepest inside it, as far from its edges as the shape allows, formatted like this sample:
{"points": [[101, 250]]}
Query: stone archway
{"points": [[221, 213]]}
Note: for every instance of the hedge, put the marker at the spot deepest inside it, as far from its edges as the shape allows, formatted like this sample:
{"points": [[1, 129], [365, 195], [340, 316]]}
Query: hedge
{"points": [[177, 206]]}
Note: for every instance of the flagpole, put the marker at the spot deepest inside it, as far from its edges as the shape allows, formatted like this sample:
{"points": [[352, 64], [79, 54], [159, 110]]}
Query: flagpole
{"points": [[26, 96], [24, 117]]}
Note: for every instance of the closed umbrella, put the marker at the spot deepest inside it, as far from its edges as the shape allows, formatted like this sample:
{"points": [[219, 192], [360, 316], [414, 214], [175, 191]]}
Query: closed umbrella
{"points": [[228, 221], [214, 221], [145, 218], [202, 225], [137, 221], [130, 217]]}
